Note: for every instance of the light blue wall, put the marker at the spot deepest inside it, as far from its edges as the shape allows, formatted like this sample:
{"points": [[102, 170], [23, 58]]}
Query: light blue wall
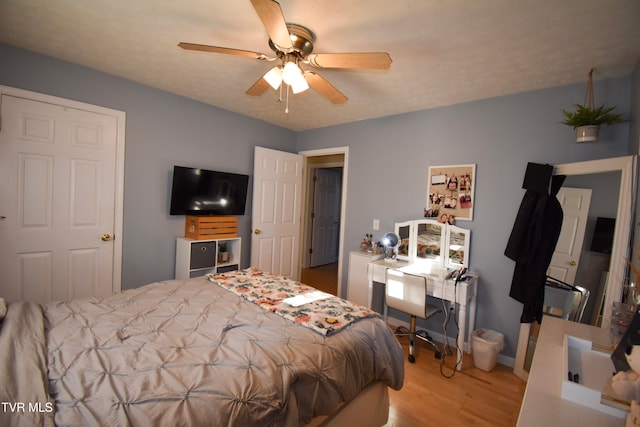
{"points": [[389, 160], [161, 130]]}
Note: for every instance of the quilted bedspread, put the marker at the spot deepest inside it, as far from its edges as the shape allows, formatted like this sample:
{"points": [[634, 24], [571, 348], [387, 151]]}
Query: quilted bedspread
{"points": [[326, 315], [187, 352]]}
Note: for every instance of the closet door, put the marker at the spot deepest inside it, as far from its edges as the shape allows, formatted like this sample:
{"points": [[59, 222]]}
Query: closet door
{"points": [[58, 187]]}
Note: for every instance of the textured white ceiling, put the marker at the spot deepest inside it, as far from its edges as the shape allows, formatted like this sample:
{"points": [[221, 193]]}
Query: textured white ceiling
{"points": [[444, 52]]}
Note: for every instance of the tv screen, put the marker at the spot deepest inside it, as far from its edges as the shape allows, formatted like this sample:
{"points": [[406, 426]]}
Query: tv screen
{"points": [[603, 235], [204, 192]]}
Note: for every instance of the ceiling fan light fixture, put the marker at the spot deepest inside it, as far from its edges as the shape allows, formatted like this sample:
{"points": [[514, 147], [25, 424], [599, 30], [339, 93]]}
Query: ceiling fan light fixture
{"points": [[292, 75], [292, 44], [274, 77], [291, 72], [299, 86]]}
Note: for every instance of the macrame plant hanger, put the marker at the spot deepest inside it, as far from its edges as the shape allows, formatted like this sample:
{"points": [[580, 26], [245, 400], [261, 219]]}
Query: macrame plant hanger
{"points": [[588, 101]]}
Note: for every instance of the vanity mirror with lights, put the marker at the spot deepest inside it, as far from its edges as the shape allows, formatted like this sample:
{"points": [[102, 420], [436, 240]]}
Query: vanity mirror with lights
{"points": [[433, 242], [605, 177]]}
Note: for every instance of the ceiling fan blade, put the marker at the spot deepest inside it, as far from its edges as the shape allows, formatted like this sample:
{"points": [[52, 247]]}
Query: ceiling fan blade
{"points": [[217, 49], [258, 87], [324, 88], [364, 60], [273, 20]]}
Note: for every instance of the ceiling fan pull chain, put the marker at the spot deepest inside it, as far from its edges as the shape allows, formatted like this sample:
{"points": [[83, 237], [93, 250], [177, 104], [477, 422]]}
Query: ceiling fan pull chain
{"points": [[280, 93], [286, 106]]}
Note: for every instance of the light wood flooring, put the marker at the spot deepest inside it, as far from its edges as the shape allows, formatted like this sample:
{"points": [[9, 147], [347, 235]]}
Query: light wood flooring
{"points": [[471, 397], [324, 277]]}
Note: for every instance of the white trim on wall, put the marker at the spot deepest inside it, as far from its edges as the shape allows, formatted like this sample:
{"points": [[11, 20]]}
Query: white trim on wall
{"points": [[343, 203]]}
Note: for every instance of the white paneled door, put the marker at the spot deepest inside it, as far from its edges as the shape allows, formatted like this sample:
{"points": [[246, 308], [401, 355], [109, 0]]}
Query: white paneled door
{"points": [[566, 256], [277, 200], [59, 189], [325, 216]]}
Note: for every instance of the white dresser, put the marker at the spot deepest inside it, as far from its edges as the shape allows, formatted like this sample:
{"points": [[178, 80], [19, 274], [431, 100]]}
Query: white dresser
{"points": [[358, 280], [543, 404]]}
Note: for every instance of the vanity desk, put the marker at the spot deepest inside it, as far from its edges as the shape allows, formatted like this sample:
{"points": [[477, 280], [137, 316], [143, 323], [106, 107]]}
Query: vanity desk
{"points": [[438, 286], [430, 249]]}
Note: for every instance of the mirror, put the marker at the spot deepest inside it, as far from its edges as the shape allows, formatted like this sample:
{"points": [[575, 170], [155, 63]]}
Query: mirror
{"points": [[579, 174], [403, 231], [433, 243], [429, 241], [457, 243]]}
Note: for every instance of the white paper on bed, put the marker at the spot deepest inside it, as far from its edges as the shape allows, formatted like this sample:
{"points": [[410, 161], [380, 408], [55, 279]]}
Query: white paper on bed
{"points": [[303, 299]]}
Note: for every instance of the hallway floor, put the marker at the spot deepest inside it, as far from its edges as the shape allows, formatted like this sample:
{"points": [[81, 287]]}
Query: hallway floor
{"points": [[323, 277]]}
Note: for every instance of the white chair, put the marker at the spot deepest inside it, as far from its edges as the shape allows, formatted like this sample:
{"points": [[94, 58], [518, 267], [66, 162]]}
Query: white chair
{"points": [[408, 293]]}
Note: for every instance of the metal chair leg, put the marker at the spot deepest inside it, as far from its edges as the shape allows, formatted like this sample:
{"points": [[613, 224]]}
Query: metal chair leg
{"points": [[412, 333], [412, 339]]}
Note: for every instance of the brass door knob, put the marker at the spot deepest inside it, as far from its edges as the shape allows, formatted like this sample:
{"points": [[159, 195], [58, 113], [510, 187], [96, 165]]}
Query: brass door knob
{"points": [[573, 263], [257, 231], [106, 237]]}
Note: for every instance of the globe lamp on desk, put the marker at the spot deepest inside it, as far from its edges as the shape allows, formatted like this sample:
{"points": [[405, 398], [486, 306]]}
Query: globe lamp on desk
{"points": [[390, 241]]}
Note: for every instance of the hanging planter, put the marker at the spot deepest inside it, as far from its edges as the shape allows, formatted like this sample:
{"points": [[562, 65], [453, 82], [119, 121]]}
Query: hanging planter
{"points": [[587, 133], [586, 119]]}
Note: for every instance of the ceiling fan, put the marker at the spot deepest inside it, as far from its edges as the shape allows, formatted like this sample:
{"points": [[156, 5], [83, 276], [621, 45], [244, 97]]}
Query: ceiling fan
{"points": [[293, 45]]}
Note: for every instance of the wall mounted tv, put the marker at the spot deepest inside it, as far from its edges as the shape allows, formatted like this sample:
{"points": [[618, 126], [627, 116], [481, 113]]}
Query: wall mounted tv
{"points": [[205, 192], [602, 240]]}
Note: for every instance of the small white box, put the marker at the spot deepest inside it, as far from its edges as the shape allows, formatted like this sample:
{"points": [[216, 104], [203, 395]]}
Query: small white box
{"points": [[594, 369]]}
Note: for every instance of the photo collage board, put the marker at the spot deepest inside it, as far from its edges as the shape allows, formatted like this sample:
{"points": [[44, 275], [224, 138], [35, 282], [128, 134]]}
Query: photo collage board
{"points": [[450, 194]]}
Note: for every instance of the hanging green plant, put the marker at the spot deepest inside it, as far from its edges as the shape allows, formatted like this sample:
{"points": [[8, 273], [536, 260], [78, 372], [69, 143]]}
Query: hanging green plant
{"points": [[584, 116], [586, 119]]}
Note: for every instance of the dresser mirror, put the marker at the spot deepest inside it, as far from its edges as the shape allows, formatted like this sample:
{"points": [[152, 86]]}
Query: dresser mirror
{"points": [[587, 175]]}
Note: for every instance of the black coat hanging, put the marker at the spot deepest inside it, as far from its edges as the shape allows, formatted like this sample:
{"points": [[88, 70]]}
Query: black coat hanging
{"points": [[533, 239]]}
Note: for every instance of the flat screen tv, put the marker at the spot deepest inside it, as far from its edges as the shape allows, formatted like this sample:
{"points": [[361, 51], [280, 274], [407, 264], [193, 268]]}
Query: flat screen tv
{"points": [[205, 192], [603, 235]]}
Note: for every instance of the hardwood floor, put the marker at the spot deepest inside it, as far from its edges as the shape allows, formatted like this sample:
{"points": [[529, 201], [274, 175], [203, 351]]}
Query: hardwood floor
{"points": [[471, 397], [324, 277]]}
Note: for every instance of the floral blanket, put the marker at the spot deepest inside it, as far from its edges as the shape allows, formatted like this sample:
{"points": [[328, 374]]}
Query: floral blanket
{"points": [[267, 290]]}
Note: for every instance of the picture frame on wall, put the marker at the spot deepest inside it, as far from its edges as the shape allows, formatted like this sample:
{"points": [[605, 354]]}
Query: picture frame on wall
{"points": [[451, 192]]}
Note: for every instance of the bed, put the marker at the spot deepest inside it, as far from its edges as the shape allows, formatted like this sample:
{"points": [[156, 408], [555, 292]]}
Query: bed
{"points": [[217, 350]]}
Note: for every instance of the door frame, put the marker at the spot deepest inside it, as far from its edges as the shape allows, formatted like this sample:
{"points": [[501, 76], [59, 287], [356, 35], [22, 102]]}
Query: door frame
{"points": [[344, 151], [120, 116]]}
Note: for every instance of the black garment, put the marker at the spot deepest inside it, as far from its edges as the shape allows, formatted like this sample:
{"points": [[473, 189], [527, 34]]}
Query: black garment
{"points": [[531, 244]]}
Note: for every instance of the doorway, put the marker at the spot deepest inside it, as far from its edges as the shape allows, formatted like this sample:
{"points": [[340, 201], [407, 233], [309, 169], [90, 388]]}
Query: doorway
{"points": [[323, 214]]}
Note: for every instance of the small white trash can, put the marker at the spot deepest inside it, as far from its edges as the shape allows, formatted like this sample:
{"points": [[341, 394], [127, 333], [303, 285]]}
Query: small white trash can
{"points": [[486, 345]]}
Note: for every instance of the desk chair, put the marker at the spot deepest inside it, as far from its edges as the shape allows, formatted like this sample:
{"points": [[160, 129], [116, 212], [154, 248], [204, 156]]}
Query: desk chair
{"points": [[564, 301], [408, 293]]}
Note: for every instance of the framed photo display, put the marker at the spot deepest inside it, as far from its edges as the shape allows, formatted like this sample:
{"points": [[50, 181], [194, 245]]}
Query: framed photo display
{"points": [[450, 194]]}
